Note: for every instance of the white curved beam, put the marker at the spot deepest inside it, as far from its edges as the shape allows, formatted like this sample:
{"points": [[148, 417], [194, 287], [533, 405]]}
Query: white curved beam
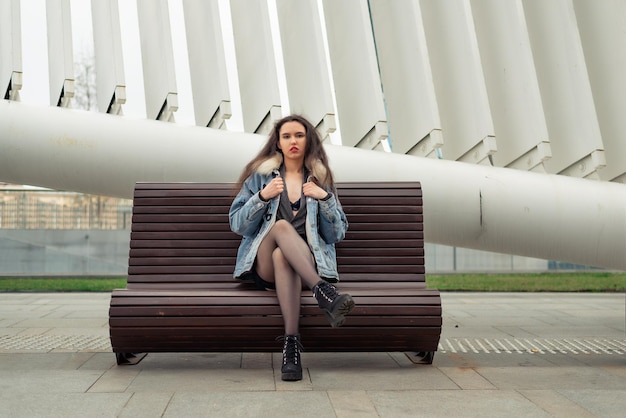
{"points": [[493, 209]]}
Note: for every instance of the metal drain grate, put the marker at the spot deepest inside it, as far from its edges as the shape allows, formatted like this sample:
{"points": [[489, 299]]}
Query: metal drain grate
{"points": [[447, 345], [52, 342], [535, 345]]}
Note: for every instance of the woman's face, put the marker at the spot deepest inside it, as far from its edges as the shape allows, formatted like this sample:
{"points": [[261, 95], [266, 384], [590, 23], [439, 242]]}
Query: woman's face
{"points": [[292, 140]]}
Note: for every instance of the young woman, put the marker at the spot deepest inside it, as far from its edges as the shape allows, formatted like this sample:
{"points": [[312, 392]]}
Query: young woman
{"points": [[289, 215]]}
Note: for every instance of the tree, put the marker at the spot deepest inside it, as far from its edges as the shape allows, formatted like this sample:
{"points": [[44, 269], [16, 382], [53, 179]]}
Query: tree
{"points": [[85, 82]]}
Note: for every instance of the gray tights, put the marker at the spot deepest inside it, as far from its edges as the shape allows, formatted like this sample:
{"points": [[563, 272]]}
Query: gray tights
{"points": [[285, 259]]}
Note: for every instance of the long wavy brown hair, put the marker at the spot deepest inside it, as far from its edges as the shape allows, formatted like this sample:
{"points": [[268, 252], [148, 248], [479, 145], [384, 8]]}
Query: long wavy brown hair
{"points": [[314, 152]]}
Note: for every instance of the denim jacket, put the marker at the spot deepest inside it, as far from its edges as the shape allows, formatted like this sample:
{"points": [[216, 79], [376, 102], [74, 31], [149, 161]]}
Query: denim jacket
{"points": [[251, 217]]}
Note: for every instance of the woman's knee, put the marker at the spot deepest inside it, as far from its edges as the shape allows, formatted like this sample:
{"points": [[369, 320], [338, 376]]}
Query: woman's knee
{"points": [[278, 258], [283, 225]]}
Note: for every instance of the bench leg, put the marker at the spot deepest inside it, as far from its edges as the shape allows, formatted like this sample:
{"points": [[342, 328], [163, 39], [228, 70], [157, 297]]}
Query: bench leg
{"points": [[129, 359], [421, 357]]}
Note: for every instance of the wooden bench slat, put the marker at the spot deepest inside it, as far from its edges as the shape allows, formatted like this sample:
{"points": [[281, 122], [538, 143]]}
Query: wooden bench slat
{"points": [[178, 201], [205, 252], [373, 260], [226, 243], [182, 252], [212, 278], [183, 218], [389, 269], [365, 185], [188, 209], [222, 269], [371, 289], [178, 226], [219, 194], [273, 321], [216, 259], [185, 235], [224, 281], [387, 315], [225, 268], [134, 311], [263, 339], [348, 277], [158, 299], [191, 243], [371, 201], [209, 334], [199, 198], [380, 243], [209, 226], [409, 251], [410, 220], [354, 210], [398, 236], [228, 259], [182, 186]]}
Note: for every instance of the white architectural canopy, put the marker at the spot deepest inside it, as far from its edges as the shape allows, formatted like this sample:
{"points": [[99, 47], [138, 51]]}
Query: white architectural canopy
{"points": [[510, 112]]}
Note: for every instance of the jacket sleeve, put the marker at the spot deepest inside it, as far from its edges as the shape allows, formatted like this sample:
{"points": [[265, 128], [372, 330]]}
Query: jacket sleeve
{"points": [[333, 223], [247, 210]]}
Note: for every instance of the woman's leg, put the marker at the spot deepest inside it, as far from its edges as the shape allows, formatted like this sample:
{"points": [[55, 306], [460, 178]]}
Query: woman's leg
{"points": [[284, 256], [294, 250], [288, 289], [273, 266]]}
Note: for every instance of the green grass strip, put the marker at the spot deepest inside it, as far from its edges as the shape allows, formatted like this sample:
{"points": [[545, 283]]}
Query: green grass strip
{"points": [[61, 284], [544, 282]]}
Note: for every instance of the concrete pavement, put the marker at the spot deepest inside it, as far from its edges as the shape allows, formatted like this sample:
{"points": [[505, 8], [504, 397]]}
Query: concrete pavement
{"points": [[501, 354]]}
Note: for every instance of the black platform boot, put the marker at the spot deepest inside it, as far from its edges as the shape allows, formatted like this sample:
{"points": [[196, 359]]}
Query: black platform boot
{"points": [[292, 367], [334, 305]]}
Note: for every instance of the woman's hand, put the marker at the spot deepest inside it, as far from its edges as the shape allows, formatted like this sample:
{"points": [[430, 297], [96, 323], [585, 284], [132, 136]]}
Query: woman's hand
{"points": [[273, 189], [313, 190]]}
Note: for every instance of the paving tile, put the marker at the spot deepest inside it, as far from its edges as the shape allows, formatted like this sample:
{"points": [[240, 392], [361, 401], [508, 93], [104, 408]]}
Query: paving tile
{"points": [[251, 404], [203, 380], [458, 330], [573, 330], [361, 377], [42, 361], [36, 382], [600, 402], [99, 361], [115, 380], [7, 323], [196, 361], [256, 360], [93, 331], [146, 405], [556, 378], [352, 404], [63, 323], [454, 403], [62, 405], [556, 404], [5, 327], [349, 360], [32, 330], [466, 378]]}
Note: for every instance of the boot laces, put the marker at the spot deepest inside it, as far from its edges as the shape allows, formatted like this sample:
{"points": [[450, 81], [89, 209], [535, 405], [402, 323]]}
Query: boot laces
{"points": [[291, 348], [327, 291]]}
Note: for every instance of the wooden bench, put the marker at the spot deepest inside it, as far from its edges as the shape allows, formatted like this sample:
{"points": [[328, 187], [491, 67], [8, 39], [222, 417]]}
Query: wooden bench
{"points": [[181, 296]]}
